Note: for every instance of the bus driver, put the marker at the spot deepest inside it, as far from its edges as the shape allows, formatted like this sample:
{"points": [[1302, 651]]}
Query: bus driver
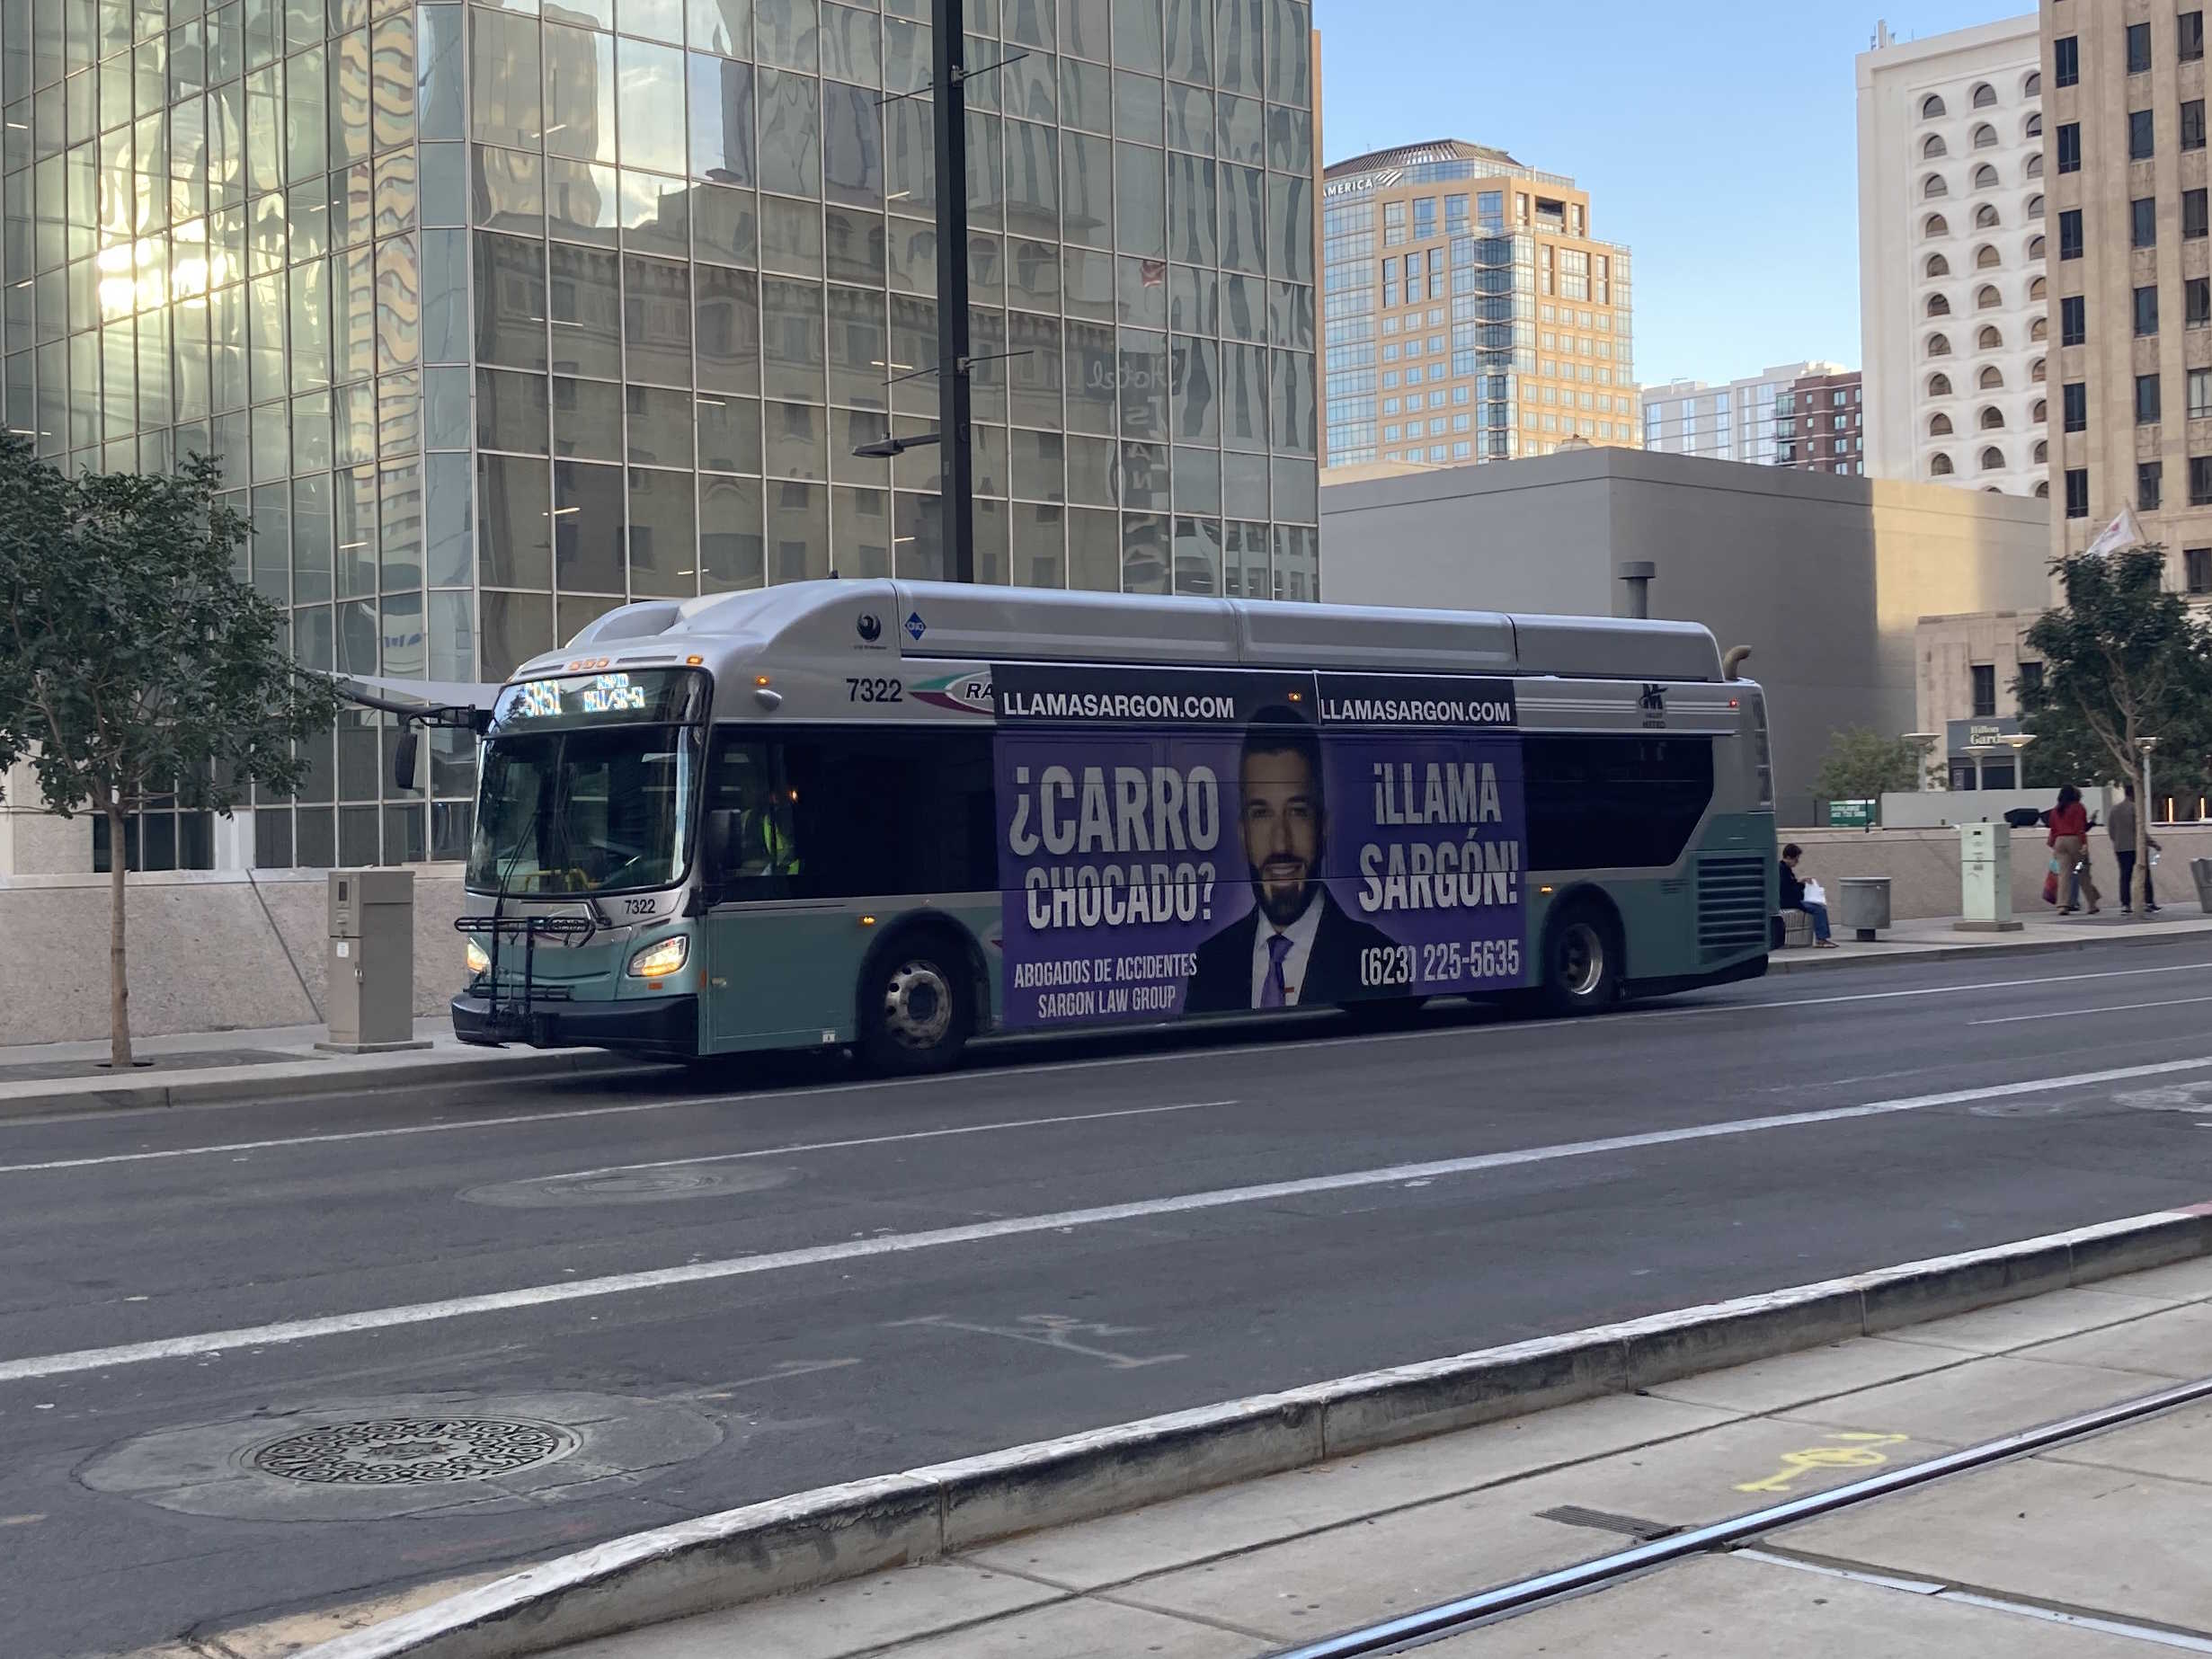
{"points": [[1307, 953]]}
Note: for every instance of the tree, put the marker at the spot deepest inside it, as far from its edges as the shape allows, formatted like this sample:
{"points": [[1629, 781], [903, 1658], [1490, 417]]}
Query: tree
{"points": [[1862, 765], [2124, 660], [134, 664]]}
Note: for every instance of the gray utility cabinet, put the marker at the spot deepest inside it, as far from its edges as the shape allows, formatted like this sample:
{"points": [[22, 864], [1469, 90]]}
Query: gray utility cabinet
{"points": [[371, 959]]}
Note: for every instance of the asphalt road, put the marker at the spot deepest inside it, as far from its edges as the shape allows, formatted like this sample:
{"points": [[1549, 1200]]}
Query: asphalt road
{"points": [[701, 1300]]}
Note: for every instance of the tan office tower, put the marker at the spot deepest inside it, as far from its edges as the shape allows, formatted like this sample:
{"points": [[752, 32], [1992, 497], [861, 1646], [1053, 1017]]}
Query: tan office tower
{"points": [[2131, 275], [1469, 313]]}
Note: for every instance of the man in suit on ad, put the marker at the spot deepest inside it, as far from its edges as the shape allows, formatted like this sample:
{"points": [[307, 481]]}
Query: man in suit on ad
{"points": [[1297, 948]]}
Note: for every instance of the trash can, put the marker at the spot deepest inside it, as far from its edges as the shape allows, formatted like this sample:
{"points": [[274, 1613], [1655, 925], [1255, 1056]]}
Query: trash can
{"points": [[371, 981], [1985, 879], [2200, 870], [1864, 906]]}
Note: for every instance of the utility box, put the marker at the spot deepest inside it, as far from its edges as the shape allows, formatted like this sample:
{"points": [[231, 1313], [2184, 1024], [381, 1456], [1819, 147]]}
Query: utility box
{"points": [[2200, 872], [1986, 879], [1863, 904], [370, 961]]}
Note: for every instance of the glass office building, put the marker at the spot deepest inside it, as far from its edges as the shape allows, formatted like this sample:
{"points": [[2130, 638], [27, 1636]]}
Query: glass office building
{"points": [[499, 316]]}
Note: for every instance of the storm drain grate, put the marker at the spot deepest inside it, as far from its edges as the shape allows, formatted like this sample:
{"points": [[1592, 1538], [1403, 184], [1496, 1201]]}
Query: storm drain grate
{"points": [[400, 1452], [1605, 1520]]}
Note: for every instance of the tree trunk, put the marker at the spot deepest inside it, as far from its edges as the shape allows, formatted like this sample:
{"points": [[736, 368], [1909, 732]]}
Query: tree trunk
{"points": [[119, 980]]}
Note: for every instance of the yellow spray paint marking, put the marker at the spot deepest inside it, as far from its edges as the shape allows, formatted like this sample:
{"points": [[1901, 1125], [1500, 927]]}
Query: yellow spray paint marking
{"points": [[1846, 1451]]}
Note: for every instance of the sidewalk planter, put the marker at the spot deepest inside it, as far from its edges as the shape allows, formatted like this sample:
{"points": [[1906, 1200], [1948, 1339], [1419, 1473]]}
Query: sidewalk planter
{"points": [[1863, 905]]}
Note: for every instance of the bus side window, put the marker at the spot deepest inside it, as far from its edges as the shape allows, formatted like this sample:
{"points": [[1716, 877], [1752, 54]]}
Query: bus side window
{"points": [[751, 822]]}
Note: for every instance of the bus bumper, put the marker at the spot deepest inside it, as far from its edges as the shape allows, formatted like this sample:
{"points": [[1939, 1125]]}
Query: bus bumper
{"points": [[665, 1025]]}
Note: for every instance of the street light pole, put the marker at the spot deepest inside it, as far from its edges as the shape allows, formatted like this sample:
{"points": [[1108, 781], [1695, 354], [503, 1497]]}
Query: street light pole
{"points": [[956, 469]]}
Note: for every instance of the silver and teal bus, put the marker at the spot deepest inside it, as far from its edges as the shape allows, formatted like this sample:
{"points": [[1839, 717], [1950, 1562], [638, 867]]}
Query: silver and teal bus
{"points": [[898, 816]]}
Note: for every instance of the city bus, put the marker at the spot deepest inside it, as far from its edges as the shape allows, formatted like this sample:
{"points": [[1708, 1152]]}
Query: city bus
{"points": [[898, 816]]}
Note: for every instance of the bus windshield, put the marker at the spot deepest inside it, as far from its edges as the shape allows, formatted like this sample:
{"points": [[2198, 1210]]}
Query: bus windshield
{"points": [[585, 810]]}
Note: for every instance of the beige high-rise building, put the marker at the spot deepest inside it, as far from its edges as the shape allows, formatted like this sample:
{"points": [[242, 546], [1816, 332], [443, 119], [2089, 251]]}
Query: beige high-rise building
{"points": [[2131, 275], [1469, 313]]}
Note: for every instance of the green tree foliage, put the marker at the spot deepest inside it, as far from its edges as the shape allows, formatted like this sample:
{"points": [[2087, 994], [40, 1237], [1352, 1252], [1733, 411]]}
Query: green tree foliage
{"points": [[133, 664], [2124, 660], [1862, 765]]}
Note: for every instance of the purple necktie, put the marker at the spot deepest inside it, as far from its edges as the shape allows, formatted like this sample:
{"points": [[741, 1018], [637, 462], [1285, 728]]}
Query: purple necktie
{"points": [[1271, 994]]}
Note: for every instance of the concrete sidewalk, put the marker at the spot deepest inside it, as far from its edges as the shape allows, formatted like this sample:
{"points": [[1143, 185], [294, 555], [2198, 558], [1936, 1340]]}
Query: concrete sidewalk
{"points": [[1938, 939], [2077, 1551], [222, 1065]]}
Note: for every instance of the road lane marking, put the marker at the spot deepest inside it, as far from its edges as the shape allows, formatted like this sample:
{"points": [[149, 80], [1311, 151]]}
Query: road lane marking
{"points": [[2121, 1008], [431, 1129], [1015, 1226]]}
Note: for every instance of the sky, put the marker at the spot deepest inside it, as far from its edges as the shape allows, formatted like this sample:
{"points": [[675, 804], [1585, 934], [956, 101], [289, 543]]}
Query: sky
{"points": [[1717, 138]]}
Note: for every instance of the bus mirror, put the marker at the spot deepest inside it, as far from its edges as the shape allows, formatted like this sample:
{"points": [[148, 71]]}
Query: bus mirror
{"points": [[405, 754], [720, 837]]}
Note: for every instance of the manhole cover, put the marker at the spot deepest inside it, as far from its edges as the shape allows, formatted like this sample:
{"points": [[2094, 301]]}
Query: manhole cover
{"points": [[404, 1451]]}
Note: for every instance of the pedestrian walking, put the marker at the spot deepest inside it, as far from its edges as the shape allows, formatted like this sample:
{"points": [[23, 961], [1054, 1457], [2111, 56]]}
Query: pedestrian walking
{"points": [[2069, 844], [2123, 828]]}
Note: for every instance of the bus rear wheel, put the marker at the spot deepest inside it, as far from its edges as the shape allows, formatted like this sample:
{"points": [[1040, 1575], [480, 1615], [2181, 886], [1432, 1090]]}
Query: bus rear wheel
{"points": [[1582, 960], [915, 1011]]}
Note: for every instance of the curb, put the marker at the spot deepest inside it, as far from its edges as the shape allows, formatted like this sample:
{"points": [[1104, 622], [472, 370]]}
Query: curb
{"points": [[865, 1526], [237, 1085], [1818, 961]]}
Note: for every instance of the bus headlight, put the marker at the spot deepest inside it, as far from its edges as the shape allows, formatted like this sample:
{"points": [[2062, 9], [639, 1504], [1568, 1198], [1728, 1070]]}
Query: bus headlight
{"points": [[657, 961], [478, 962]]}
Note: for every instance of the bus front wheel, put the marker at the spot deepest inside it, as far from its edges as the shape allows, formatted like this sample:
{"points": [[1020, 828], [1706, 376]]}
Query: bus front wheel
{"points": [[915, 1013], [1582, 960]]}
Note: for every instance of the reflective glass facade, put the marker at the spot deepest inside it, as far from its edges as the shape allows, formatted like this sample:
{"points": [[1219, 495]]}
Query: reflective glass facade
{"points": [[499, 318]]}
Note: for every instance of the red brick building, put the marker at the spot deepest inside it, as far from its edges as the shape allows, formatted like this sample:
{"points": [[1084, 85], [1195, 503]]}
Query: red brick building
{"points": [[1819, 425]]}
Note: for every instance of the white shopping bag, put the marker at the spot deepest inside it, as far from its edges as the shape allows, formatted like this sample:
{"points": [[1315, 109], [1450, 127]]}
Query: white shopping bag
{"points": [[1814, 894]]}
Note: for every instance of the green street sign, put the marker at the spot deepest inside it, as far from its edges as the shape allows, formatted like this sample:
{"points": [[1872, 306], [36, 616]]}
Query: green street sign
{"points": [[1852, 814]]}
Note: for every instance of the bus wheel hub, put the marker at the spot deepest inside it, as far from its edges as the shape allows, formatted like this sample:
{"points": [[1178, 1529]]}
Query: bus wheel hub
{"points": [[917, 1006]]}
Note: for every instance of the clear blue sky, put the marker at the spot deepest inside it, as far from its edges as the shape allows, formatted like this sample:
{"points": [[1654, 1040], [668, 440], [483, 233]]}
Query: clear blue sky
{"points": [[1717, 139]]}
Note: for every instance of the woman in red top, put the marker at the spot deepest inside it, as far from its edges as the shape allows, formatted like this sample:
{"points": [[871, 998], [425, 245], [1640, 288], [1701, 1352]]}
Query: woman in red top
{"points": [[2069, 841]]}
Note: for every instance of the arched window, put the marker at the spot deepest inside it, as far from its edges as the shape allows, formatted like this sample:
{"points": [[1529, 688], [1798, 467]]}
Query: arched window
{"points": [[1939, 465], [1991, 379], [1985, 136], [1990, 339], [1985, 96], [2035, 372], [2035, 247], [2039, 329], [1985, 217], [1938, 385], [1939, 426], [1938, 346], [1936, 226], [1990, 489], [2035, 206], [2042, 451], [1985, 177], [1993, 418], [1938, 307], [1930, 108], [2036, 288], [2032, 87], [1934, 148], [1933, 186], [2043, 491], [1938, 266], [1987, 297], [2041, 412], [2032, 128], [1993, 459], [1987, 258], [2035, 166]]}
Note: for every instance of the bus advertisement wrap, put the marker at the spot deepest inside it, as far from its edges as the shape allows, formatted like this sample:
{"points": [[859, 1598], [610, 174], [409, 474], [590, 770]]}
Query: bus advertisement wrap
{"points": [[1237, 854]]}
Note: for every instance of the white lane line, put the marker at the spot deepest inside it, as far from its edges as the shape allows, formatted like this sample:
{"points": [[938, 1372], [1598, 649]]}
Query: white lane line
{"points": [[2117, 1007], [1014, 1227], [777, 1151], [1030, 1069]]}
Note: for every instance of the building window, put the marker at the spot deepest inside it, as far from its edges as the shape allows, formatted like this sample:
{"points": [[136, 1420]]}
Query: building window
{"points": [[1985, 96], [1938, 467], [2147, 310], [1930, 187], [1930, 108], [2189, 41], [2192, 124], [2072, 320], [2200, 393], [2196, 569], [2194, 215], [2143, 132], [2146, 400], [2142, 222], [2149, 477], [1993, 460], [2077, 492], [1985, 690], [2065, 60], [2069, 146], [2030, 679], [1985, 177], [2138, 49], [2074, 400], [2069, 232], [2200, 480], [2197, 301]]}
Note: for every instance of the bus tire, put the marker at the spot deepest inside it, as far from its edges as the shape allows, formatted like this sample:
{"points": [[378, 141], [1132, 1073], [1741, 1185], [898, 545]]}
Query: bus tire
{"points": [[916, 1005], [1582, 959]]}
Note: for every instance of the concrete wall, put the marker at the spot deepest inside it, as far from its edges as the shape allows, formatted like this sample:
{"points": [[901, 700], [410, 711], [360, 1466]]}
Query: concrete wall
{"points": [[230, 950], [1922, 866], [1825, 578]]}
